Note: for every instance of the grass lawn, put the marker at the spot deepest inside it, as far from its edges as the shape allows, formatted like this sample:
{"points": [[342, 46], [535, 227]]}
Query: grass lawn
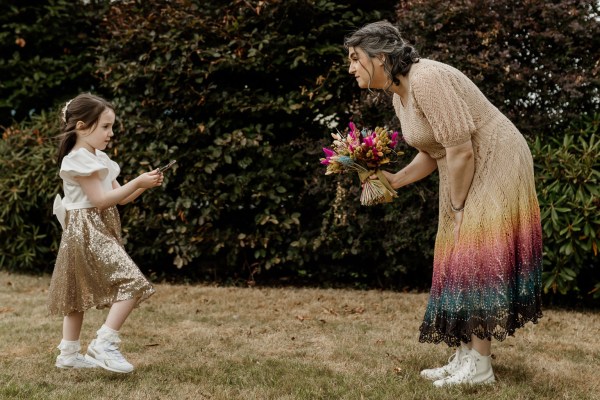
{"points": [[205, 342]]}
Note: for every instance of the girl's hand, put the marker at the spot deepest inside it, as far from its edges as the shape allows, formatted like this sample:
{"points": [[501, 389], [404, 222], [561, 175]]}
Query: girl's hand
{"points": [[458, 217], [150, 179]]}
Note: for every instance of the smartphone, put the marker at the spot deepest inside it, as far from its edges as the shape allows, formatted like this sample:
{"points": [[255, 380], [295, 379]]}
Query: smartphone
{"points": [[166, 167]]}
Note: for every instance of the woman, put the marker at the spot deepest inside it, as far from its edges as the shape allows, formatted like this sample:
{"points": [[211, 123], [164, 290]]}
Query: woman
{"points": [[487, 260]]}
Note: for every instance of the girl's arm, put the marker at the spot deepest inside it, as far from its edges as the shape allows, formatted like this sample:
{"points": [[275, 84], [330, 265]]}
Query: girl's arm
{"points": [[461, 169], [131, 197], [92, 187], [420, 167]]}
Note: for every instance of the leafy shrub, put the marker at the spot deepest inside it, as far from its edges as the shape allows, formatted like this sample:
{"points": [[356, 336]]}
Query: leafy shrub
{"points": [[244, 96], [232, 92], [47, 49], [536, 60], [28, 181], [568, 177]]}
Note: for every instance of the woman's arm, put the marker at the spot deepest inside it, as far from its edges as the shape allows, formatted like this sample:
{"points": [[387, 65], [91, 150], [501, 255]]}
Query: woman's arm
{"points": [[92, 187], [420, 167], [461, 168]]}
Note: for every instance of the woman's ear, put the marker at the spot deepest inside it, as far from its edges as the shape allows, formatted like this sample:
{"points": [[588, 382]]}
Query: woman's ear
{"points": [[80, 125]]}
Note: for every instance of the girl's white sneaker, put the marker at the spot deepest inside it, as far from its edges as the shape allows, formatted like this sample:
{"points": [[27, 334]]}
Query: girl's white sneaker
{"points": [[104, 352], [76, 360], [454, 363], [475, 369], [70, 357]]}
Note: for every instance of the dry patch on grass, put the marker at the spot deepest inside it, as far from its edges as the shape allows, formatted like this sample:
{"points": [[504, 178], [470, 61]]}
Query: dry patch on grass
{"points": [[205, 342]]}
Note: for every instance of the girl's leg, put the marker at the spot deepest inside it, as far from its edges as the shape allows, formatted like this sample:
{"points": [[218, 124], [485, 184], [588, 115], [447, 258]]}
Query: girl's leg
{"points": [[72, 326], [104, 350], [69, 346], [118, 313]]}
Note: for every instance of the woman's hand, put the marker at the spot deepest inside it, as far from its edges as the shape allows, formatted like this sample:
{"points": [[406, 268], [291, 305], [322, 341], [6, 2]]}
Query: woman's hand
{"points": [[388, 175]]}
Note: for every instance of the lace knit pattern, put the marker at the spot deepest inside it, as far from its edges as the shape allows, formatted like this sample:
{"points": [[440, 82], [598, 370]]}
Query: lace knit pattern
{"points": [[489, 283]]}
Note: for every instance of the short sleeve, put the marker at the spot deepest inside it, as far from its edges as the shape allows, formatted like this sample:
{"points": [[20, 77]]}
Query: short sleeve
{"points": [[437, 94], [113, 168], [82, 163]]}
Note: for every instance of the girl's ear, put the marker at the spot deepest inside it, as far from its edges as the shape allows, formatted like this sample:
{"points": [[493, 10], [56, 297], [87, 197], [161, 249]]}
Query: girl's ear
{"points": [[80, 125]]}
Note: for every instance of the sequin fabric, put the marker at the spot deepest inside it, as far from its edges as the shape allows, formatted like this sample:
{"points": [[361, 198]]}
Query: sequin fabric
{"points": [[92, 267], [488, 283]]}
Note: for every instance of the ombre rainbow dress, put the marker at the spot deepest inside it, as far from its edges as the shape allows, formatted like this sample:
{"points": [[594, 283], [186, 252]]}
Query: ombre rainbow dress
{"points": [[488, 283]]}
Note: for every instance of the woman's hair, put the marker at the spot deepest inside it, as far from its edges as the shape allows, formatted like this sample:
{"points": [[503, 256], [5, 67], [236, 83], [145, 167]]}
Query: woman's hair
{"points": [[383, 38], [86, 108]]}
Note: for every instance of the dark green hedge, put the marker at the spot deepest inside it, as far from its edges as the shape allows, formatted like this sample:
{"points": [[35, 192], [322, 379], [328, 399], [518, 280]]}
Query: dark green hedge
{"points": [[537, 60], [47, 54], [242, 95]]}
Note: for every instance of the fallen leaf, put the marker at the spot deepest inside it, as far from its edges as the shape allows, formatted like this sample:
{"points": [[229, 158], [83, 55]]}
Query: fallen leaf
{"points": [[330, 311]]}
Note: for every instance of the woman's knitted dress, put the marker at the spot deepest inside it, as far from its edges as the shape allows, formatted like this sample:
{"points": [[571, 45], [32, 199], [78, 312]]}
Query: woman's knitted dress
{"points": [[489, 283]]}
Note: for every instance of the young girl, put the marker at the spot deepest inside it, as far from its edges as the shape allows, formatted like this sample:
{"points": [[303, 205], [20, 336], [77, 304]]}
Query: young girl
{"points": [[92, 268]]}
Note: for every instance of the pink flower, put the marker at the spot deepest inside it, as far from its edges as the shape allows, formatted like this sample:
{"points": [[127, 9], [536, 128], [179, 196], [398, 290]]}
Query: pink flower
{"points": [[328, 154], [352, 127], [394, 140]]}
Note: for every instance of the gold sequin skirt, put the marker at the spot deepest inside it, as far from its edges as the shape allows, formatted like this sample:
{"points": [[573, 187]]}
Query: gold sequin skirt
{"points": [[92, 267]]}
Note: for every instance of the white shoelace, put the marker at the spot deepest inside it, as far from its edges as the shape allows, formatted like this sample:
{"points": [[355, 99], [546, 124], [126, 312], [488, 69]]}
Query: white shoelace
{"points": [[466, 372], [114, 352]]}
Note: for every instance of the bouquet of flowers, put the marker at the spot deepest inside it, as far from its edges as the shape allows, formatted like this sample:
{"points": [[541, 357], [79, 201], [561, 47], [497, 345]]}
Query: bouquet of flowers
{"points": [[364, 152]]}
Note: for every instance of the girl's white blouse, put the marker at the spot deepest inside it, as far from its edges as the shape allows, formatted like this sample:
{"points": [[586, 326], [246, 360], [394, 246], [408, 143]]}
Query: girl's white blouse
{"points": [[77, 163]]}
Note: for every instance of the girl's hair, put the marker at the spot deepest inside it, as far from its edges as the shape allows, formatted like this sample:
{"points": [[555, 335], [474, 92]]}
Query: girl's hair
{"points": [[383, 38], [86, 108]]}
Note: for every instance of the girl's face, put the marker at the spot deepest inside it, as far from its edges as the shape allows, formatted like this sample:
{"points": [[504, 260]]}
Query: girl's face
{"points": [[368, 71], [97, 137]]}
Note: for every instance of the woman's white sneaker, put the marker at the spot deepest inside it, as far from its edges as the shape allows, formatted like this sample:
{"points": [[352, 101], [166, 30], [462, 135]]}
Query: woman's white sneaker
{"points": [[475, 369], [454, 363]]}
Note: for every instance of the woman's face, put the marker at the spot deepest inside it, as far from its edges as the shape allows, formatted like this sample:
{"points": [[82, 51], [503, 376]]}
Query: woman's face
{"points": [[368, 71]]}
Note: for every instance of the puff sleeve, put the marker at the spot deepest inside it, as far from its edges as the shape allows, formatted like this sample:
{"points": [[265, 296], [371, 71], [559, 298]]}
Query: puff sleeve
{"points": [[82, 163], [438, 94], [113, 168]]}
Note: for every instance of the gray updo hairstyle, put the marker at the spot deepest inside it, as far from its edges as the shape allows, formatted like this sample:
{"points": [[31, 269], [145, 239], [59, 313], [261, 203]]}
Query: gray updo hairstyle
{"points": [[384, 38]]}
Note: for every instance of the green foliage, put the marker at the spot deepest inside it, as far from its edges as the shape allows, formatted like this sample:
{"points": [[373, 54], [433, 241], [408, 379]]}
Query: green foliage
{"points": [[536, 60], [232, 93], [28, 180], [244, 95], [47, 53], [568, 177]]}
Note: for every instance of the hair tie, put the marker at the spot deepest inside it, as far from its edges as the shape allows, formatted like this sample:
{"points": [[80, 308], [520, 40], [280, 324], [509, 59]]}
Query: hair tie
{"points": [[64, 111]]}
